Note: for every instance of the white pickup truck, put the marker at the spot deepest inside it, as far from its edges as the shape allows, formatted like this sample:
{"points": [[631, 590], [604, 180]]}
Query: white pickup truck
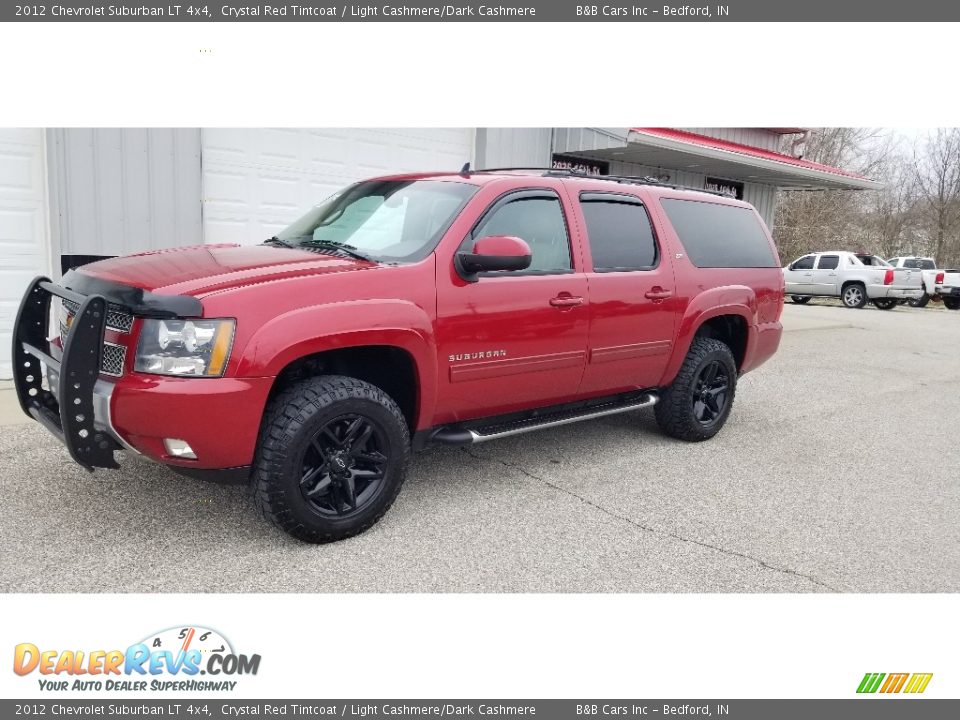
{"points": [[852, 277], [938, 283]]}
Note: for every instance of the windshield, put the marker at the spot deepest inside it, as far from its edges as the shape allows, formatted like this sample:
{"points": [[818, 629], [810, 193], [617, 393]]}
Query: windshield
{"points": [[383, 220]]}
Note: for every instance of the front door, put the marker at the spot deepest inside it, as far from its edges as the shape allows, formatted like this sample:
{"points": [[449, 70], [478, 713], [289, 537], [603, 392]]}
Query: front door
{"points": [[633, 307], [798, 276], [513, 340]]}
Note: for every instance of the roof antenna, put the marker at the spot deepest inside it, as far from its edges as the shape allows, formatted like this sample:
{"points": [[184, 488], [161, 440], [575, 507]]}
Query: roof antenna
{"points": [[465, 170]]}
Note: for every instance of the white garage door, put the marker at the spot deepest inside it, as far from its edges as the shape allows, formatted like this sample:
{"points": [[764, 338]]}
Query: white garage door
{"points": [[255, 182], [23, 226]]}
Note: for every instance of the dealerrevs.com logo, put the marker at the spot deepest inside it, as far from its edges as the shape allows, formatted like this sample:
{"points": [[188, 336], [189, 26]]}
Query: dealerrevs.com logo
{"points": [[172, 659]]}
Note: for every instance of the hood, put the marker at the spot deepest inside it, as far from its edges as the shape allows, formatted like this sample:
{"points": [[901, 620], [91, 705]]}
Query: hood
{"points": [[206, 268]]}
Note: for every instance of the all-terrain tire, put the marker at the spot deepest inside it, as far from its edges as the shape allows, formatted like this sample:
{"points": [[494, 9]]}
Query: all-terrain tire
{"points": [[854, 295], [919, 302], [676, 410], [291, 425], [800, 299], [952, 303]]}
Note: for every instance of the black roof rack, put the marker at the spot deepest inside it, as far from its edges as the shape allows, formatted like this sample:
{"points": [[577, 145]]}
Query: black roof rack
{"points": [[625, 179]]}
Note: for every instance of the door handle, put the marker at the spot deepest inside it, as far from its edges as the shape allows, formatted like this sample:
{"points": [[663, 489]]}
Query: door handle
{"points": [[566, 301], [657, 293]]}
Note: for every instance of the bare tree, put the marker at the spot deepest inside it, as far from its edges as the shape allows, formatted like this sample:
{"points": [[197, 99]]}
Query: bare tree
{"points": [[827, 219], [889, 214], [937, 173]]}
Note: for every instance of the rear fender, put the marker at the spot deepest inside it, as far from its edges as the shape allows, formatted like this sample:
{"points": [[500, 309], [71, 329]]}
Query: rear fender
{"points": [[310, 330], [727, 300]]}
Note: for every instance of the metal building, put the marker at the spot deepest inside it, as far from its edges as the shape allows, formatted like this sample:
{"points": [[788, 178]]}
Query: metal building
{"points": [[68, 196]]}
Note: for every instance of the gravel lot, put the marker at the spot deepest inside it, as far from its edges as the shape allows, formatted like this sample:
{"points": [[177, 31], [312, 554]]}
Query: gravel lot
{"points": [[838, 471]]}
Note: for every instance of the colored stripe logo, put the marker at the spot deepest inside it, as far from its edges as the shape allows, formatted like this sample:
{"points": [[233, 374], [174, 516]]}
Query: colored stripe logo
{"points": [[894, 683]]}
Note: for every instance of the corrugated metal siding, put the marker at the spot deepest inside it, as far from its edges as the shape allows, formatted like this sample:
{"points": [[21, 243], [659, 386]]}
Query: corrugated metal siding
{"points": [[756, 137], [513, 147], [567, 140], [117, 191]]}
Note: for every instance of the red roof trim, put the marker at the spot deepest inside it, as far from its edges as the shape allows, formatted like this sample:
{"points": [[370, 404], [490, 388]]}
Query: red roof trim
{"points": [[741, 149]]}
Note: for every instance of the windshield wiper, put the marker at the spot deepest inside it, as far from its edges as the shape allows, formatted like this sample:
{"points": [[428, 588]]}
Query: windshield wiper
{"points": [[337, 247], [277, 241]]}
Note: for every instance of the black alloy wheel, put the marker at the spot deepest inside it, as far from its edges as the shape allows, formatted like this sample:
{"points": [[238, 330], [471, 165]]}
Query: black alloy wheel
{"points": [[344, 466], [710, 392], [331, 458]]}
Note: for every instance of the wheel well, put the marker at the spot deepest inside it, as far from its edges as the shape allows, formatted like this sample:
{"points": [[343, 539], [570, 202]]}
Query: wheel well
{"points": [[730, 330], [389, 368], [852, 282]]}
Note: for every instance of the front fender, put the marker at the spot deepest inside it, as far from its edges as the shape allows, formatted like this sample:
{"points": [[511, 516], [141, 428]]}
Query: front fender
{"points": [[309, 330], [726, 300]]}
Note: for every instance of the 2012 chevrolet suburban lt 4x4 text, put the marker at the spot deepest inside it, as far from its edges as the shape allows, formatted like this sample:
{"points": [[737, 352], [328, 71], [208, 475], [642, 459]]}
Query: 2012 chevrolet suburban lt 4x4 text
{"points": [[400, 313]]}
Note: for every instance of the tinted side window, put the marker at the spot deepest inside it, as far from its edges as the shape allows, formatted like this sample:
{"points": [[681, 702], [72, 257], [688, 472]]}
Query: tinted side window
{"points": [[828, 262], [804, 263], [621, 237], [539, 222], [720, 235]]}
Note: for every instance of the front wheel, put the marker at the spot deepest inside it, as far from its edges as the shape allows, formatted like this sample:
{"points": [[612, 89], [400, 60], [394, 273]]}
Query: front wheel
{"points": [[885, 304], [854, 296], [952, 303], [331, 458], [919, 302], [800, 299], [697, 404]]}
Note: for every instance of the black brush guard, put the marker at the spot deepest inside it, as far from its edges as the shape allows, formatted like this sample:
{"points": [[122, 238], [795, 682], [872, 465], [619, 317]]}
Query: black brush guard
{"points": [[71, 419], [69, 413]]}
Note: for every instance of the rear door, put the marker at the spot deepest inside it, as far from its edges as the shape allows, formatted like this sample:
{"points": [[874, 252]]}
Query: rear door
{"points": [[824, 277], [633, 304], [798, 276]]}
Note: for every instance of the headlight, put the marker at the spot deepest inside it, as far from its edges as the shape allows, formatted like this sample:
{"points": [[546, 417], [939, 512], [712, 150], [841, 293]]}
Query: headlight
{"points": [[184, 347]]}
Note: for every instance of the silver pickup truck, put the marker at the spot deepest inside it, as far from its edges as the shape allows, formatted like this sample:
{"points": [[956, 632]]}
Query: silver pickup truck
{"points": [[854, 278], [938, 283]]}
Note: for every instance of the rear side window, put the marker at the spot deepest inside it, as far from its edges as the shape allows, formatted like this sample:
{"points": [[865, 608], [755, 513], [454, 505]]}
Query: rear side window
{"points": [[621, 237], [720, 235], [828, 262]]}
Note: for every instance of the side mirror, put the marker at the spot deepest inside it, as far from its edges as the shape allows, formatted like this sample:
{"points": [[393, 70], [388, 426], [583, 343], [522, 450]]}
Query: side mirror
{"points": [[495, 252]]}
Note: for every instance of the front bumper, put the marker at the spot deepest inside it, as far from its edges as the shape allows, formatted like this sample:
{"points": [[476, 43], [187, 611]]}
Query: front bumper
{"points": [[94, 416]]}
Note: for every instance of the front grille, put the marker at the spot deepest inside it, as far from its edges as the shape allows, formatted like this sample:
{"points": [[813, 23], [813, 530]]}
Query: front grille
{"points": [[111, 363], [117, 318]]}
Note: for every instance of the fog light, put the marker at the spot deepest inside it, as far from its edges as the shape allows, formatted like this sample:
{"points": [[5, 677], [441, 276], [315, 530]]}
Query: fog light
{"points": [[179, 448]]}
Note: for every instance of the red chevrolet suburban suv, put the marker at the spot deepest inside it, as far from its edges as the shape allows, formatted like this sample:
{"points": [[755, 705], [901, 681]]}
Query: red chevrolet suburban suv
{"points": [[400, 313]]}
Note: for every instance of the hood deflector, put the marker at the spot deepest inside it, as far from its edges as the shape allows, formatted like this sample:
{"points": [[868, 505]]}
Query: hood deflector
{"points": [[139, 302]]}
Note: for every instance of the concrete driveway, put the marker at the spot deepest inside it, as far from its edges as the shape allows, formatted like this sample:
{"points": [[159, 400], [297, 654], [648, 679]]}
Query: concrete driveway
{"points": [[839, 470]]}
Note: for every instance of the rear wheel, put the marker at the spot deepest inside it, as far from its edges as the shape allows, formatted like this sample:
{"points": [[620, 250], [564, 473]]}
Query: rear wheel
{"points": [[331, 458], [885, 304], [854, 295], [919, 302], [952, 303], [697, 404], [800, 299]]}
